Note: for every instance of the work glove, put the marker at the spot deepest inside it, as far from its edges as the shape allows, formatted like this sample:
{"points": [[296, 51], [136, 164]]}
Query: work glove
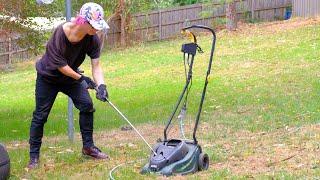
{"points": [[102, 93], [87, 82]]}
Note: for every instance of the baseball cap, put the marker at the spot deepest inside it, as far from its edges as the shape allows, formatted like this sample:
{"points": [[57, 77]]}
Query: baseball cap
{"points": [[93, 13]]}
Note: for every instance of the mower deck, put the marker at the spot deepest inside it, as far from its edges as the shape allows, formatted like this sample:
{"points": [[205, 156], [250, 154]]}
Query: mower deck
{"points": [[183, 162]]}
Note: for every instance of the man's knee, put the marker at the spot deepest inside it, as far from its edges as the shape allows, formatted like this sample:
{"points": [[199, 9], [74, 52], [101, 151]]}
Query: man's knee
{"points": [[87, 107], [40, 117]]}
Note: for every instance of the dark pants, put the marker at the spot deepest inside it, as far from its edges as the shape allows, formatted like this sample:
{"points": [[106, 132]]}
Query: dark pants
{"points": [[45, 95]]}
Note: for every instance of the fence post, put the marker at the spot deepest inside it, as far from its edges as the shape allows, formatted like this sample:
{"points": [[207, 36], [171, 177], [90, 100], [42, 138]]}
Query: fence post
{"points": [[252, 9], [70, 104], [70, 120], [202, 20], [9, 50], [160, 25]]}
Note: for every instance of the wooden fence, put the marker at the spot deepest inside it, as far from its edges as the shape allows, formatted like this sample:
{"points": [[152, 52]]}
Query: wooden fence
{"points": [[163, 24], [11, 52], [306, 8], [167, 23]]}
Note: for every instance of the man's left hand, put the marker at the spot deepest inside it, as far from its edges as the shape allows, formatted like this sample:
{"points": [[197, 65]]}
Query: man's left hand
{"points": [[87, 82]]}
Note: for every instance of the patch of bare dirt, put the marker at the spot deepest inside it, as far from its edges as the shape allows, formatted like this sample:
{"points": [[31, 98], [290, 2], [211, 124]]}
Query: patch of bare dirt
{"points": [[289, 149], [272, 27]]}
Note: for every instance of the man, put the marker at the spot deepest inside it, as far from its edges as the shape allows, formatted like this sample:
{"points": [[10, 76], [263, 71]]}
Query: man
{"points": [[57, 72]]}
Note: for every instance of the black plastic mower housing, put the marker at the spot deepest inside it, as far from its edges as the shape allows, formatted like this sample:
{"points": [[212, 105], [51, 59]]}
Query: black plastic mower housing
{"points": [[167, 153], [174, 157]]}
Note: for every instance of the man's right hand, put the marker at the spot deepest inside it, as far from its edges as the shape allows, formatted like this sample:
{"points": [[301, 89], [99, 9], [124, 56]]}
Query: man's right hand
{"points": [[87, 82]]}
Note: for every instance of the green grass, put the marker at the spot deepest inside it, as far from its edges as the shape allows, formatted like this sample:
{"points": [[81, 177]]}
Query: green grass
{"points": [[260, 81], [274, 77]]}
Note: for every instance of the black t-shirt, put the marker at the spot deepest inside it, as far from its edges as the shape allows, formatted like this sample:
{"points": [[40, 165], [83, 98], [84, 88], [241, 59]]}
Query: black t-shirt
{"points": [[61, 52]]}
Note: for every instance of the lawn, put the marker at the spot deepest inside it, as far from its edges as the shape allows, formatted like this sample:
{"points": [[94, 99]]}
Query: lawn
{"points": [[260, 117]]}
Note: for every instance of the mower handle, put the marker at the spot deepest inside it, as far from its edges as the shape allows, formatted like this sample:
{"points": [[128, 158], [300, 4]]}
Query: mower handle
{"points": [[200, 27], [205, 86], [214, 37], [207, 76]]}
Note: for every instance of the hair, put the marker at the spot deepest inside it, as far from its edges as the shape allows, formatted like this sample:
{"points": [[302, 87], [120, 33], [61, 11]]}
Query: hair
{"points": [[79, 20]]}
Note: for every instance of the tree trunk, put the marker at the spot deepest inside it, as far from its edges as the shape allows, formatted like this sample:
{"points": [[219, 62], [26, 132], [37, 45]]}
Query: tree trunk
{"points": [[231, 15], [102, 36], [123, 22]]}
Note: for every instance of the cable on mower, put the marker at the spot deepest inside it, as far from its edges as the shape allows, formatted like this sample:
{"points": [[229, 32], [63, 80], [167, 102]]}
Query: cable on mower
{"points": [[119, 165]]}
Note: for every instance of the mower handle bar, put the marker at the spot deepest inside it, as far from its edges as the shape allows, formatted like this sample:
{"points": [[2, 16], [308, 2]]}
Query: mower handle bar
{"points": [[205, 86]]}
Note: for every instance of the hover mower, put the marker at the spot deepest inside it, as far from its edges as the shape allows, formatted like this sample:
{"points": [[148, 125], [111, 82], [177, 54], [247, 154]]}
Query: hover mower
{"points": [[182, 156]]}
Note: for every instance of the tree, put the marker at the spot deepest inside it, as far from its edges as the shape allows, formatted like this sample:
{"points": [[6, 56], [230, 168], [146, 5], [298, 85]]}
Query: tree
{"points": [[16, 19], [213, 6], [123, 15], [231, 15], [124, 9]]}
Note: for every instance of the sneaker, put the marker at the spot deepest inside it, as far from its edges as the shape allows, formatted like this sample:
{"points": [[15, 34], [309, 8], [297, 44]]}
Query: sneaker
{"points": [[33, 163], [94, 152]]}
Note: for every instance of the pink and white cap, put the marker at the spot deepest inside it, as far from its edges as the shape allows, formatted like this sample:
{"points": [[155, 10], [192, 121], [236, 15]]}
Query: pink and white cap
{"points": [[93, 13]]}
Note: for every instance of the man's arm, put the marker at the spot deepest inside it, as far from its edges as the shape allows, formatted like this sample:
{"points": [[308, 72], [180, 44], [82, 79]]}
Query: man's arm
{"points": [[68, 71], [97, 72]]}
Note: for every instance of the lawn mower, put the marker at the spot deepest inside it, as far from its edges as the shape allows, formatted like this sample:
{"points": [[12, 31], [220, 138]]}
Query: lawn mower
{"points": [[182, 156], [178, 156]]}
